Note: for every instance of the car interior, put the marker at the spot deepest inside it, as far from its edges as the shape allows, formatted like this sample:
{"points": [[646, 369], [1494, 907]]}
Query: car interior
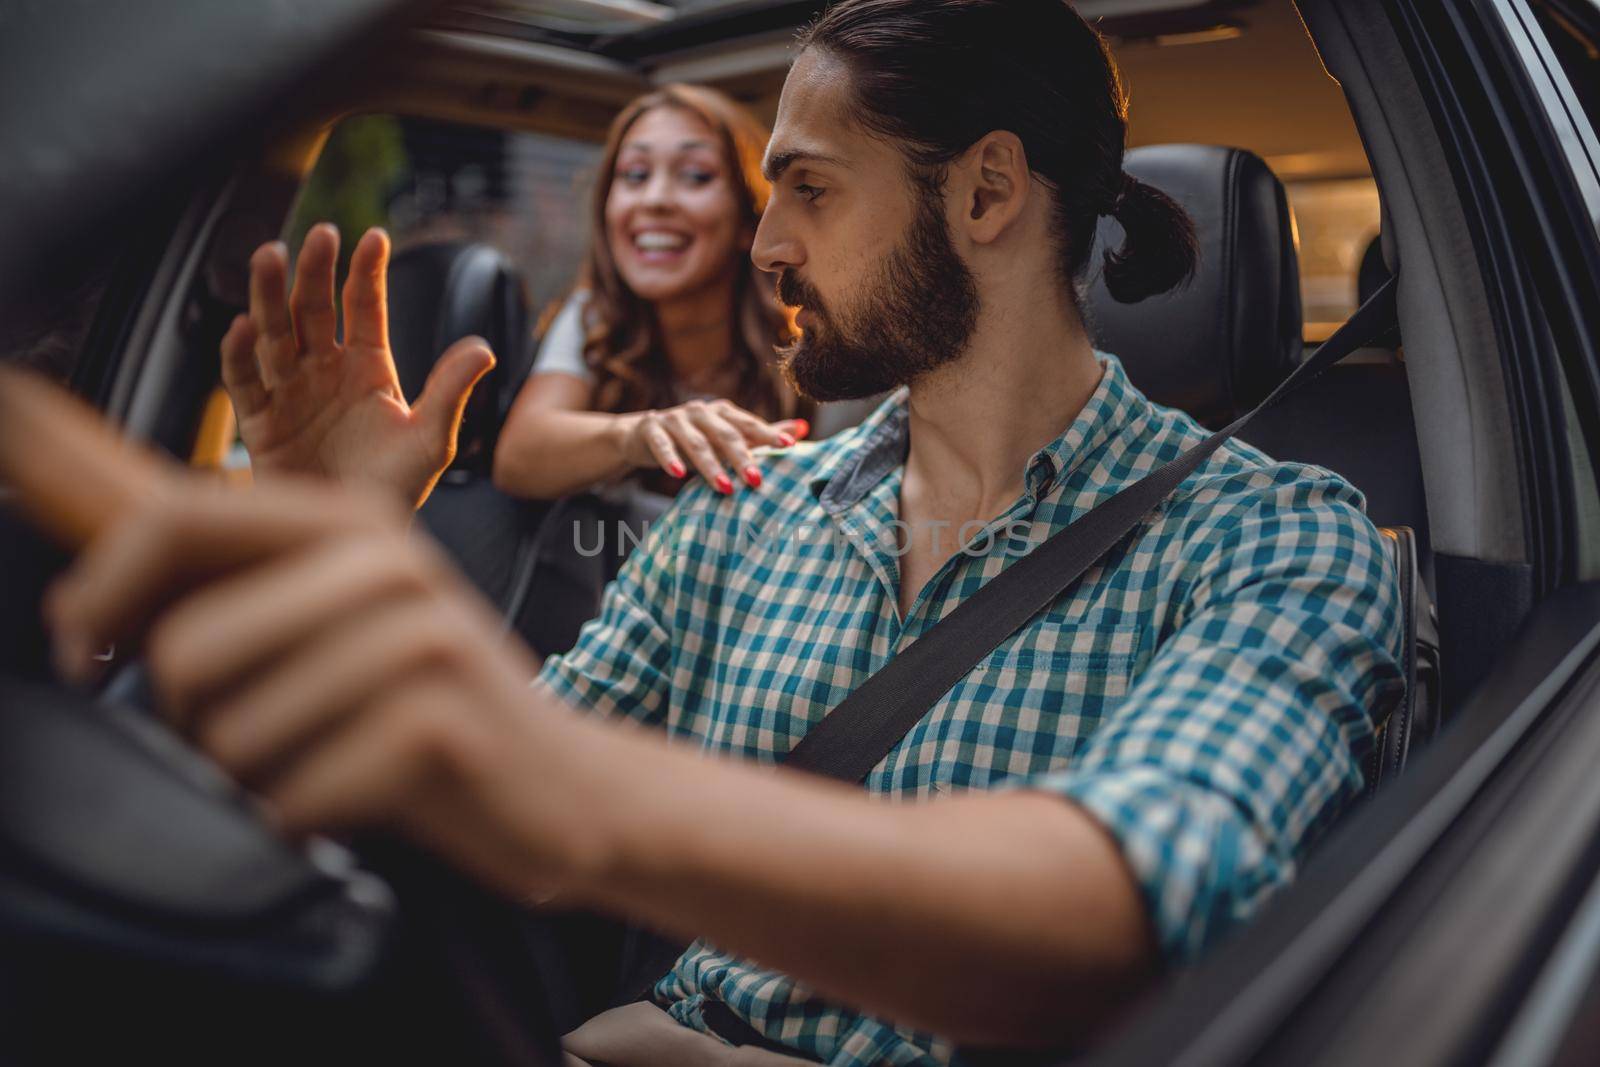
{"points": [[1314, 172], [1215, 349]]}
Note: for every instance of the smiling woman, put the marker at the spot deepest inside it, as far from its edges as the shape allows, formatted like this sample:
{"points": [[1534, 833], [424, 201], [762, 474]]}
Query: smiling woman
{"points": [[663, 359]]}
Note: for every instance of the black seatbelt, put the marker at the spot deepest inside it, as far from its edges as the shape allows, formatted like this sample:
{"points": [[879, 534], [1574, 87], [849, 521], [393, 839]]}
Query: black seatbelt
{"points": [[867, 724]]}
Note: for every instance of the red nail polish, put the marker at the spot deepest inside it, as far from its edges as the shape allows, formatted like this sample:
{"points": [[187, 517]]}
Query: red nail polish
{"points": [[753, 477], [802, 428], [723, 484], [785, 440], [676, 470]]}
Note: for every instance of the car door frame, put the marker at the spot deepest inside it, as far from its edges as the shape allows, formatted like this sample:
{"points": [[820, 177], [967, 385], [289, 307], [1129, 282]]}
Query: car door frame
{"points": [[1456, 917]]}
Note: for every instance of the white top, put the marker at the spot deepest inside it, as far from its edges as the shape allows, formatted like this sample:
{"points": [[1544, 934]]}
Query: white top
{"points": [[561, 351], [562, 347]]}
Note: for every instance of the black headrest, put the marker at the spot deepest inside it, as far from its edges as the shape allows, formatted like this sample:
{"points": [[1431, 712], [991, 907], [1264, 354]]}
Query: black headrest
{"points": [[440, 293], [1217, 346]]}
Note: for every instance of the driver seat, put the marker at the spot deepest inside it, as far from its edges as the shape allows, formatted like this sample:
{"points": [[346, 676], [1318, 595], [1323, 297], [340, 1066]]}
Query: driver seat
{"points": [[1217, 347]]}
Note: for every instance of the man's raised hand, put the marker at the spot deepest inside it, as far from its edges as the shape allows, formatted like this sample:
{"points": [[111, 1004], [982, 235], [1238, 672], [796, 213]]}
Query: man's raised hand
{"points": [[310, 404]]}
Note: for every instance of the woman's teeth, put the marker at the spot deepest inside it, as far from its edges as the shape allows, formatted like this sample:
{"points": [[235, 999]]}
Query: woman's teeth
{"points": [[659, 241]]}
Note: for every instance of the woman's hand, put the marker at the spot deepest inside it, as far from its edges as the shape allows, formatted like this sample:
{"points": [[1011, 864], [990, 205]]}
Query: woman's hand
{"points": [[709, 433], [309, 404]]}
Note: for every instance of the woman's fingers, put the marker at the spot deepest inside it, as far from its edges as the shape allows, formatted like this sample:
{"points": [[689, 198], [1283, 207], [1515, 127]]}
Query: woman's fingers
{"points": [[659, 442], [757, 431], [726, 437], [311, 303], [693, 443], [798, 429], [241, 375], [366, 301], [712, 435], [276, 351]]}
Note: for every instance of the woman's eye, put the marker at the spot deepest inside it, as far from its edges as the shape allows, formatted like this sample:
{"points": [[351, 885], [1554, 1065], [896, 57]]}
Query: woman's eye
{"points": [[810, 192], [634, 175], [698, 177]]}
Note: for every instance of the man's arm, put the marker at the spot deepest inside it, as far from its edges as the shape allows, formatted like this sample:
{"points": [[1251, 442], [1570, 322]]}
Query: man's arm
{"points": [[345, 677], [988, 918], [1239, 743]]}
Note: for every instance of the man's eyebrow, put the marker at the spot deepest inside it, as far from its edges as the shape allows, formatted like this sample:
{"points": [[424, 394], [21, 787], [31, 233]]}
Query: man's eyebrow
{"points": [[773, 166]]}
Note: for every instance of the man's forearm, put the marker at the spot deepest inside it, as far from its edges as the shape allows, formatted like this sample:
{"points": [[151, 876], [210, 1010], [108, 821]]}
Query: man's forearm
{"points": [[989, 918]]}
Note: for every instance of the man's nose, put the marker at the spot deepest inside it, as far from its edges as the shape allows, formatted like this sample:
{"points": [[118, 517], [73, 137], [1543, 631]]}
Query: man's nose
{"points": [[775, 247]]}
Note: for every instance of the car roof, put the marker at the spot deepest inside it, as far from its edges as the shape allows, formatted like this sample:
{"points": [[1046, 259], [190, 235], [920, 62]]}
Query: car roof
{"points": [[1242, 73]]}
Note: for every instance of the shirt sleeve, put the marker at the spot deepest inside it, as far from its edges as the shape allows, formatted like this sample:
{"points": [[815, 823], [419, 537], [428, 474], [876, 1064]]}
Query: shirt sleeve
{"points": [[621, 664], [562, 347], [1241, 740]]}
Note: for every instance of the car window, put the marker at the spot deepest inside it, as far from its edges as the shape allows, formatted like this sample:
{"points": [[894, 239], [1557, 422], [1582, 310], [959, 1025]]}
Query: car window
{"points": [[525, 194], [425, 181], [1335, 221]]}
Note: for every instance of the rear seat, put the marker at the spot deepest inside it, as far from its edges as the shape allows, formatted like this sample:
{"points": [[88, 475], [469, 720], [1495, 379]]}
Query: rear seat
{"points": [[439, 293], [522, 555], [1217, 347]]}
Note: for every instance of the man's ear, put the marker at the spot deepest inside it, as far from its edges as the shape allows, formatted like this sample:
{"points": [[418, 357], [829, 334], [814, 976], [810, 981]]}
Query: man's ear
{"points": [[995, 186]]}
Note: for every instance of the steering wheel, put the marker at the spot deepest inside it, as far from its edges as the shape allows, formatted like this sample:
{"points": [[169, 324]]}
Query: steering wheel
{"points": [[145, 904]]}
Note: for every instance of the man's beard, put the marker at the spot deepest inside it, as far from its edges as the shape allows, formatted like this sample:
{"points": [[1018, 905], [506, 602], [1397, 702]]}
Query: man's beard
{"points": [[917, 314]]}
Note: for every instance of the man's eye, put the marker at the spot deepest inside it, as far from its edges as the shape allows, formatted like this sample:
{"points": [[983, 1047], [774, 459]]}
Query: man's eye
{"points": [[810, 192]]}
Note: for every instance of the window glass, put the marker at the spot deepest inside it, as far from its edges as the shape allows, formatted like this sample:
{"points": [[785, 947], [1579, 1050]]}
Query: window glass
{"points": [[1336, 222], [425, 181], [525, 194]]}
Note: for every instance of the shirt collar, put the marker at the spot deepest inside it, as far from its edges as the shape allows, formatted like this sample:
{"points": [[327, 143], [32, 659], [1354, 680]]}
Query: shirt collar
{"points": [[868, 452], [880, 443]]}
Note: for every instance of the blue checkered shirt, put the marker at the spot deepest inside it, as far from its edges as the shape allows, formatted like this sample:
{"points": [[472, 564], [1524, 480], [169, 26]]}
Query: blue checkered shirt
{"points": [[1207, 691]]}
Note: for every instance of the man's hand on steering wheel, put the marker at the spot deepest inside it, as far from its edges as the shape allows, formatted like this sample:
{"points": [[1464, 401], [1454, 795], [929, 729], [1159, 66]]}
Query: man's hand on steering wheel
{"points": [[338, 668], [331, 662], [308, 403]]}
